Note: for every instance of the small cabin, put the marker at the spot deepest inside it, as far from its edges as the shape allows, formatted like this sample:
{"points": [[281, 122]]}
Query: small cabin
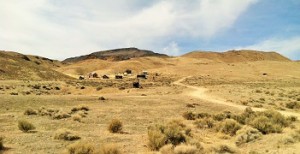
{"points": [[118, 77], [145, 73], [141, 76], [136, 85], [105, 77], [93, 75], [81, 77], [128, 71]]}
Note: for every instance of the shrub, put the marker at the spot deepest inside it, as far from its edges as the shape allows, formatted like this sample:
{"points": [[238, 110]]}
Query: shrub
{"points": [[229, 126], [264, 125], [109, 149], [223, 148], [25, 126], [61, 115], [30, 112], [293, 105], [115, 126], [77, 118], [80, 108], [189, 115], [167, 149], [67, 135], [203, 115], [247, 134], [275, 117], [174, 134], [80, 148], [1, 143], [205, 123], [156, 139], [186, 149]]}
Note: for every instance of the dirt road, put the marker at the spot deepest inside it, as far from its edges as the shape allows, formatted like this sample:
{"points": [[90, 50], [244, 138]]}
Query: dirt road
{"points": [[200, 93]]}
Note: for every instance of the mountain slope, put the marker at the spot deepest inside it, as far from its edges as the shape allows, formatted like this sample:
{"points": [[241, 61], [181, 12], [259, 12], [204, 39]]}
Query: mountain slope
{"points": [[237, 56], [15, 66], [116, 55]]}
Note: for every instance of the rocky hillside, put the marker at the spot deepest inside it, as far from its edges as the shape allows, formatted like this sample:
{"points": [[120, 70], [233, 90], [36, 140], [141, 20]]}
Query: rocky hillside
{"points": [[16, 66], [116, 55], [237, 56]]}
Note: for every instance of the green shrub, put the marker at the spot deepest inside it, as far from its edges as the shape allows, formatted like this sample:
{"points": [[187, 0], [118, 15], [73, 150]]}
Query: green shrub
{"points": [[174, 134], [115, 126], [229, 126], [247, 134], [25, 126], [189, 115], [80, 148], [30, 112], [67, 135], [265, 125]]}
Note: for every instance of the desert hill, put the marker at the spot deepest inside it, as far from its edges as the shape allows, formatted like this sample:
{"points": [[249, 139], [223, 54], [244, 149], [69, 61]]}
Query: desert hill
{"points": [[237, 56], [116, 55], [16, 66]]}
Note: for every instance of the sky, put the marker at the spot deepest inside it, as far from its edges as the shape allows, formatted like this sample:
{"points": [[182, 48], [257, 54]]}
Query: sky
{"points": [[60, 29]]}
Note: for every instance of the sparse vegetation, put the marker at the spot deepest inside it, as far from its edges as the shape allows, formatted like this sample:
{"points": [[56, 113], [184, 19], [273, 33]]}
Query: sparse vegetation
{"points": [[109, 149], [30, 112], [80, 148], [115, 126], [247, 134], [224, 148], [189, 115], [65, 134], [25, 126], [229, 126]]}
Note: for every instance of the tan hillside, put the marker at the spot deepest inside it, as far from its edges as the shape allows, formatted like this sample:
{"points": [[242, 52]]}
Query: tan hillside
{"points": [[15, 66], [116, 55], [238, 56]]}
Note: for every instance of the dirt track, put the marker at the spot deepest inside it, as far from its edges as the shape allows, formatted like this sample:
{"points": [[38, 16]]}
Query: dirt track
{"points": [[200, 93]]}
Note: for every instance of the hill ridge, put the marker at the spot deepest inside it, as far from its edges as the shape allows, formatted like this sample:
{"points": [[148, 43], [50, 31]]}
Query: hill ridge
{"points": [[116, 55], [237, 56]]}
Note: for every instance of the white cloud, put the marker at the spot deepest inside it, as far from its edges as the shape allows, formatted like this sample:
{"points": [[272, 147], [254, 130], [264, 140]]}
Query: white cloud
{"points": [[172, 49], [62, 28], [289, 47]]}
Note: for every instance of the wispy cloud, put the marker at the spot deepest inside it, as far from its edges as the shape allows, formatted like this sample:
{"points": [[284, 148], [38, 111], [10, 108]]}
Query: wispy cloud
{"points": [[289, 47], [62, 28]]}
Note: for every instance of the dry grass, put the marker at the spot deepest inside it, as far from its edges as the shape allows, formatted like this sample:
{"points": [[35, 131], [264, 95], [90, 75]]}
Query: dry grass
{"points": [[109, 149], [115, 126], [30, 112], [247, 134], [25, 126], [80, 148], [67, 135]]}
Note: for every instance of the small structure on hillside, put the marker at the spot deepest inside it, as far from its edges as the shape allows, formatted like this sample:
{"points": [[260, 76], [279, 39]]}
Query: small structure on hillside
{"points": [[93, 75], [128, 71], [105, 77], [145, 73], [81, 77], [118, 77], [141, 76], [136, 84]]}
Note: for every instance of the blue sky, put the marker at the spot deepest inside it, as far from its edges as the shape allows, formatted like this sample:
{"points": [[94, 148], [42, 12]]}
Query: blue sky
{"points": [[61, 28]]}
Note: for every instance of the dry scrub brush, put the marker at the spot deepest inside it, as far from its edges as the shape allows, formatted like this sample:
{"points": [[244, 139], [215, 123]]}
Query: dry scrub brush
{"points": [[67, 135], [25, 126], [115, 126], [86, 148]]}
